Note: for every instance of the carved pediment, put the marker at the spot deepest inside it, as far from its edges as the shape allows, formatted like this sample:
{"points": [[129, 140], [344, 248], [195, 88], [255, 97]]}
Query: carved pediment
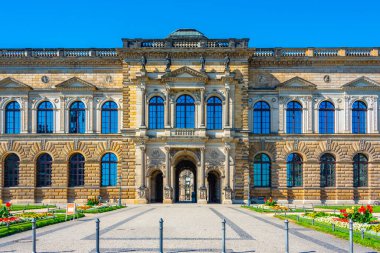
{"points": [[76, 83], [297, 83], [185, 74], [11, 83], [362, 83]]}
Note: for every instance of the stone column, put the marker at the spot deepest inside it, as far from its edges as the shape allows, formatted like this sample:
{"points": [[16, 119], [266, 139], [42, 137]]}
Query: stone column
{"points": [[167, 108], [142, 191], [168, 191], [143, 98], [347, 113], [202, 108], [227, 114], [227, 189], [202, 189]]}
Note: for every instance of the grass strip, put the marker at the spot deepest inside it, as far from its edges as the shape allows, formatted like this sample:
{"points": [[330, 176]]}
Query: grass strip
{"points": [[24, 226], [343, 233], [267, 210], [102, 210], [17, 207]]}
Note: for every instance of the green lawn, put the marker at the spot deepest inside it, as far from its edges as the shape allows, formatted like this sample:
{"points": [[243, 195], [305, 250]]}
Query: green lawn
{"points": [[263, 210], [17, 207], [103, 210], [369, 240], [20, 227], [376, 209]]}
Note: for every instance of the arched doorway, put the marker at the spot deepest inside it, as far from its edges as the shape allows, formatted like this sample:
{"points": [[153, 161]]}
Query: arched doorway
{"points": [[157, 195], [213, 180], [186, 182]]}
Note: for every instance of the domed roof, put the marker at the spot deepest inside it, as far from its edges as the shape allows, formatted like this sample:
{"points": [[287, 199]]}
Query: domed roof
{"points": [[186, 33]]}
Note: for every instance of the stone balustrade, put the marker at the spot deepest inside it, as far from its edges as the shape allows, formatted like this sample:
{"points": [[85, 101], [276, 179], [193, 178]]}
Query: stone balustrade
{"points": [[55, 53]]}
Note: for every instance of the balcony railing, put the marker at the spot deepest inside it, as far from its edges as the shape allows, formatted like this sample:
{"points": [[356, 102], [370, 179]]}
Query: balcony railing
{"points": [[184, 132], [57, 53], [316, 52]]}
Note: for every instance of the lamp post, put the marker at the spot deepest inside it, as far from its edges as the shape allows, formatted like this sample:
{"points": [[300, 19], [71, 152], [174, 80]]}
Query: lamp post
{"points": [[120, 190]]}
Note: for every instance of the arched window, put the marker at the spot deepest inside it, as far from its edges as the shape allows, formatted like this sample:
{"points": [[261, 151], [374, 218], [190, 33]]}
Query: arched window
{"points": [[185, 110], [109, 169], [45, 118], [360, 170], [77, 118], [294, 118], [76, 170], [294, 170], [326, 118], [109, 118], [156, 113], [359, 118], [214, 113], [11, 170], [44, 163], [261, 118], [12, 118], [261, 171], [327, 167]]}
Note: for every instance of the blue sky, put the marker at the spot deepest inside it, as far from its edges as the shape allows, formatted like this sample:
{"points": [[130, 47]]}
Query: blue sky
{"points": [[287, 23]]}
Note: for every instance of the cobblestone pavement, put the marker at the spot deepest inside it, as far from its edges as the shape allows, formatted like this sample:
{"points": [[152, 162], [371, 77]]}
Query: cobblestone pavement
{"points": [[187, 228]]}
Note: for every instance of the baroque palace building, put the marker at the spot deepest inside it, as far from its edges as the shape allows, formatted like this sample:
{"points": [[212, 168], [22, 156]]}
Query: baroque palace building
{"points": [[190, 119]]}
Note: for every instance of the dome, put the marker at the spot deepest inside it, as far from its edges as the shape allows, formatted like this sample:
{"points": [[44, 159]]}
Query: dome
{"points": [[186, 33]]}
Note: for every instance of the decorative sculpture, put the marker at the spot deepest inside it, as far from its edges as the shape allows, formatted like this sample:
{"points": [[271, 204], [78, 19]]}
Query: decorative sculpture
{"points": [[168, 63], [143, 62], [203, 63], [227, 62]]}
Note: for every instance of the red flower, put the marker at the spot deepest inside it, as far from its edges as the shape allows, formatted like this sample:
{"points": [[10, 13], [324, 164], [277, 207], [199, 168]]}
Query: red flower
{"points": [[342, 210], [8, 204], [362, 209], [369, 208], [345, 215]]}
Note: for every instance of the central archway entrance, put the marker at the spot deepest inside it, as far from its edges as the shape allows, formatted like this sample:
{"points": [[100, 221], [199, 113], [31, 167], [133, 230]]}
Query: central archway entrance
{"points": [[214, 194], [185, 182]]}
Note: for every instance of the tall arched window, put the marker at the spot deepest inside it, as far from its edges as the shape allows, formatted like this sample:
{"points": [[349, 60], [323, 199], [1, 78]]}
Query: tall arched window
{"points": [[359, 118], [294, 118], [12, 118], [261, 171], [214, 113], [44, 164], [109, 169], [156, 113], [326, 118], [109, 118], [11, 170], [185, 110], [45, 118], [76, 170], [360, 170], [327, 167], [261, 118], [77, 118], [294, 170]]}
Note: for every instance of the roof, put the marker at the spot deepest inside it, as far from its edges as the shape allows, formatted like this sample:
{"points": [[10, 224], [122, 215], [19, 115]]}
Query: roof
{"points": [[186, 33]]}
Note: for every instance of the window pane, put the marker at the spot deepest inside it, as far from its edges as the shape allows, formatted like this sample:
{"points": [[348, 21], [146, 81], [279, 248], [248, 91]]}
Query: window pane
{"points": [[261, 118], [261, 171], [76, 164], [45, 118], [11, 170], [44, 164], [109, 170], [360, 170], [185, 110], [359, 118], [109, 118], [214, 113], [77, 118], [156, 113], [327, 167], [326, 118], [294, 118], [294, 170], [12, 118]]}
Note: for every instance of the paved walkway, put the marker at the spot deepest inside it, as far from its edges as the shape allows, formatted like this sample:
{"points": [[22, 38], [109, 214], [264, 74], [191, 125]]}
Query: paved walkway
{"points": [[187, 228]]}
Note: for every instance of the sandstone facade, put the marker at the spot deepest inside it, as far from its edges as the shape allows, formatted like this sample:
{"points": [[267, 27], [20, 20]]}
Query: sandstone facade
{"points": [[150, 160]]}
